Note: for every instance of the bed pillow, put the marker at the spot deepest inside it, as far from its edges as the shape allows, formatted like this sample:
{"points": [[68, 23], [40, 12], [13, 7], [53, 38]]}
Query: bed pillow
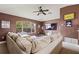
{"points": [[56, 35], [29, 38], [24, 44], [14, 36]]}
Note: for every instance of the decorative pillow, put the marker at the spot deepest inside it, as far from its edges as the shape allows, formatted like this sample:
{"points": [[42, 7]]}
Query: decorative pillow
{"points": [[14, 36], [40, 44], [52, 39], [56, 35], [47, 39], [22, 34], [29, 38], [24, 44]]}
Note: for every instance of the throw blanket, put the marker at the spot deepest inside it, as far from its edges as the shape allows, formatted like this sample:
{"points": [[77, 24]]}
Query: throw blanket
{"points": [[41, 43]]}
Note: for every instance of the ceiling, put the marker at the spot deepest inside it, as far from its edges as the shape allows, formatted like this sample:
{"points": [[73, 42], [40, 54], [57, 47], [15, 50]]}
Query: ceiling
{"points": [[26, 10]]}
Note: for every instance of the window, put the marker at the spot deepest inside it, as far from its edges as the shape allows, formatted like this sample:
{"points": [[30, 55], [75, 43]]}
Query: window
{"points": [[25, 26], [19, 26], [5, 24]]}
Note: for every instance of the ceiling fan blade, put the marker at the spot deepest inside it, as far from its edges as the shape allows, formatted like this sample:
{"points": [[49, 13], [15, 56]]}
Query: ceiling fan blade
{"points": [[50, 13], [38, 13], [46, 10], [40, 7], [35, 11], [44, 13]]}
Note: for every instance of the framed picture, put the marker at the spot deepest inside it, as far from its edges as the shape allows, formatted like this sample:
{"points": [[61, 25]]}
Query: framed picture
{"points": [[68, 23], [69, 16], [54, 26], [5, 24]]}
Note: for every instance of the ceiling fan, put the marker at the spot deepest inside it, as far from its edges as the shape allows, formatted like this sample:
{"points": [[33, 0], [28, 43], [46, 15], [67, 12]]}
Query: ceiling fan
{"points": [[41, 11]]}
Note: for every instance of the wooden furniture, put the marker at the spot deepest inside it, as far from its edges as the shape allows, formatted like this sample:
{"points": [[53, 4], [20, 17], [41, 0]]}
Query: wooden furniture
{"points": [[3, 47]]}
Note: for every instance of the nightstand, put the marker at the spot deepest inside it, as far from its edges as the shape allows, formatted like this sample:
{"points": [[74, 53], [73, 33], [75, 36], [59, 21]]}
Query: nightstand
{"points": [[3, 47]]}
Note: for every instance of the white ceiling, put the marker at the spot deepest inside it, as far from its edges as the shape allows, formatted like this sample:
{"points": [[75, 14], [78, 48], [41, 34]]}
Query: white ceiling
{"points": [[26, 10]]}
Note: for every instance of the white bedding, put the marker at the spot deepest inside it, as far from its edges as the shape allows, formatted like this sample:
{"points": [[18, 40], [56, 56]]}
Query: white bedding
{"points": [[71, 44], [39, 44]]}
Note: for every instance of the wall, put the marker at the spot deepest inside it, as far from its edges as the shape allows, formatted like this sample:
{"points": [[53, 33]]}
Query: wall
{"points": [[13, 20], [66, 31], [70, 31]]}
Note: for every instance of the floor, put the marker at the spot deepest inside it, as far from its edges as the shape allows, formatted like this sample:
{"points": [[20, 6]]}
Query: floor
{"points": [[66, 51]]}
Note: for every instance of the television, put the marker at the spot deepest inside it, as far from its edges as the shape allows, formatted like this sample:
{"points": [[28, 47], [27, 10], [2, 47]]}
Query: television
{"points": [[52, 26]]}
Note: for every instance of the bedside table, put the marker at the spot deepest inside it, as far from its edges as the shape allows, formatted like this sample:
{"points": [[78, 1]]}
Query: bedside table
{"points": [[3, 47]]}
